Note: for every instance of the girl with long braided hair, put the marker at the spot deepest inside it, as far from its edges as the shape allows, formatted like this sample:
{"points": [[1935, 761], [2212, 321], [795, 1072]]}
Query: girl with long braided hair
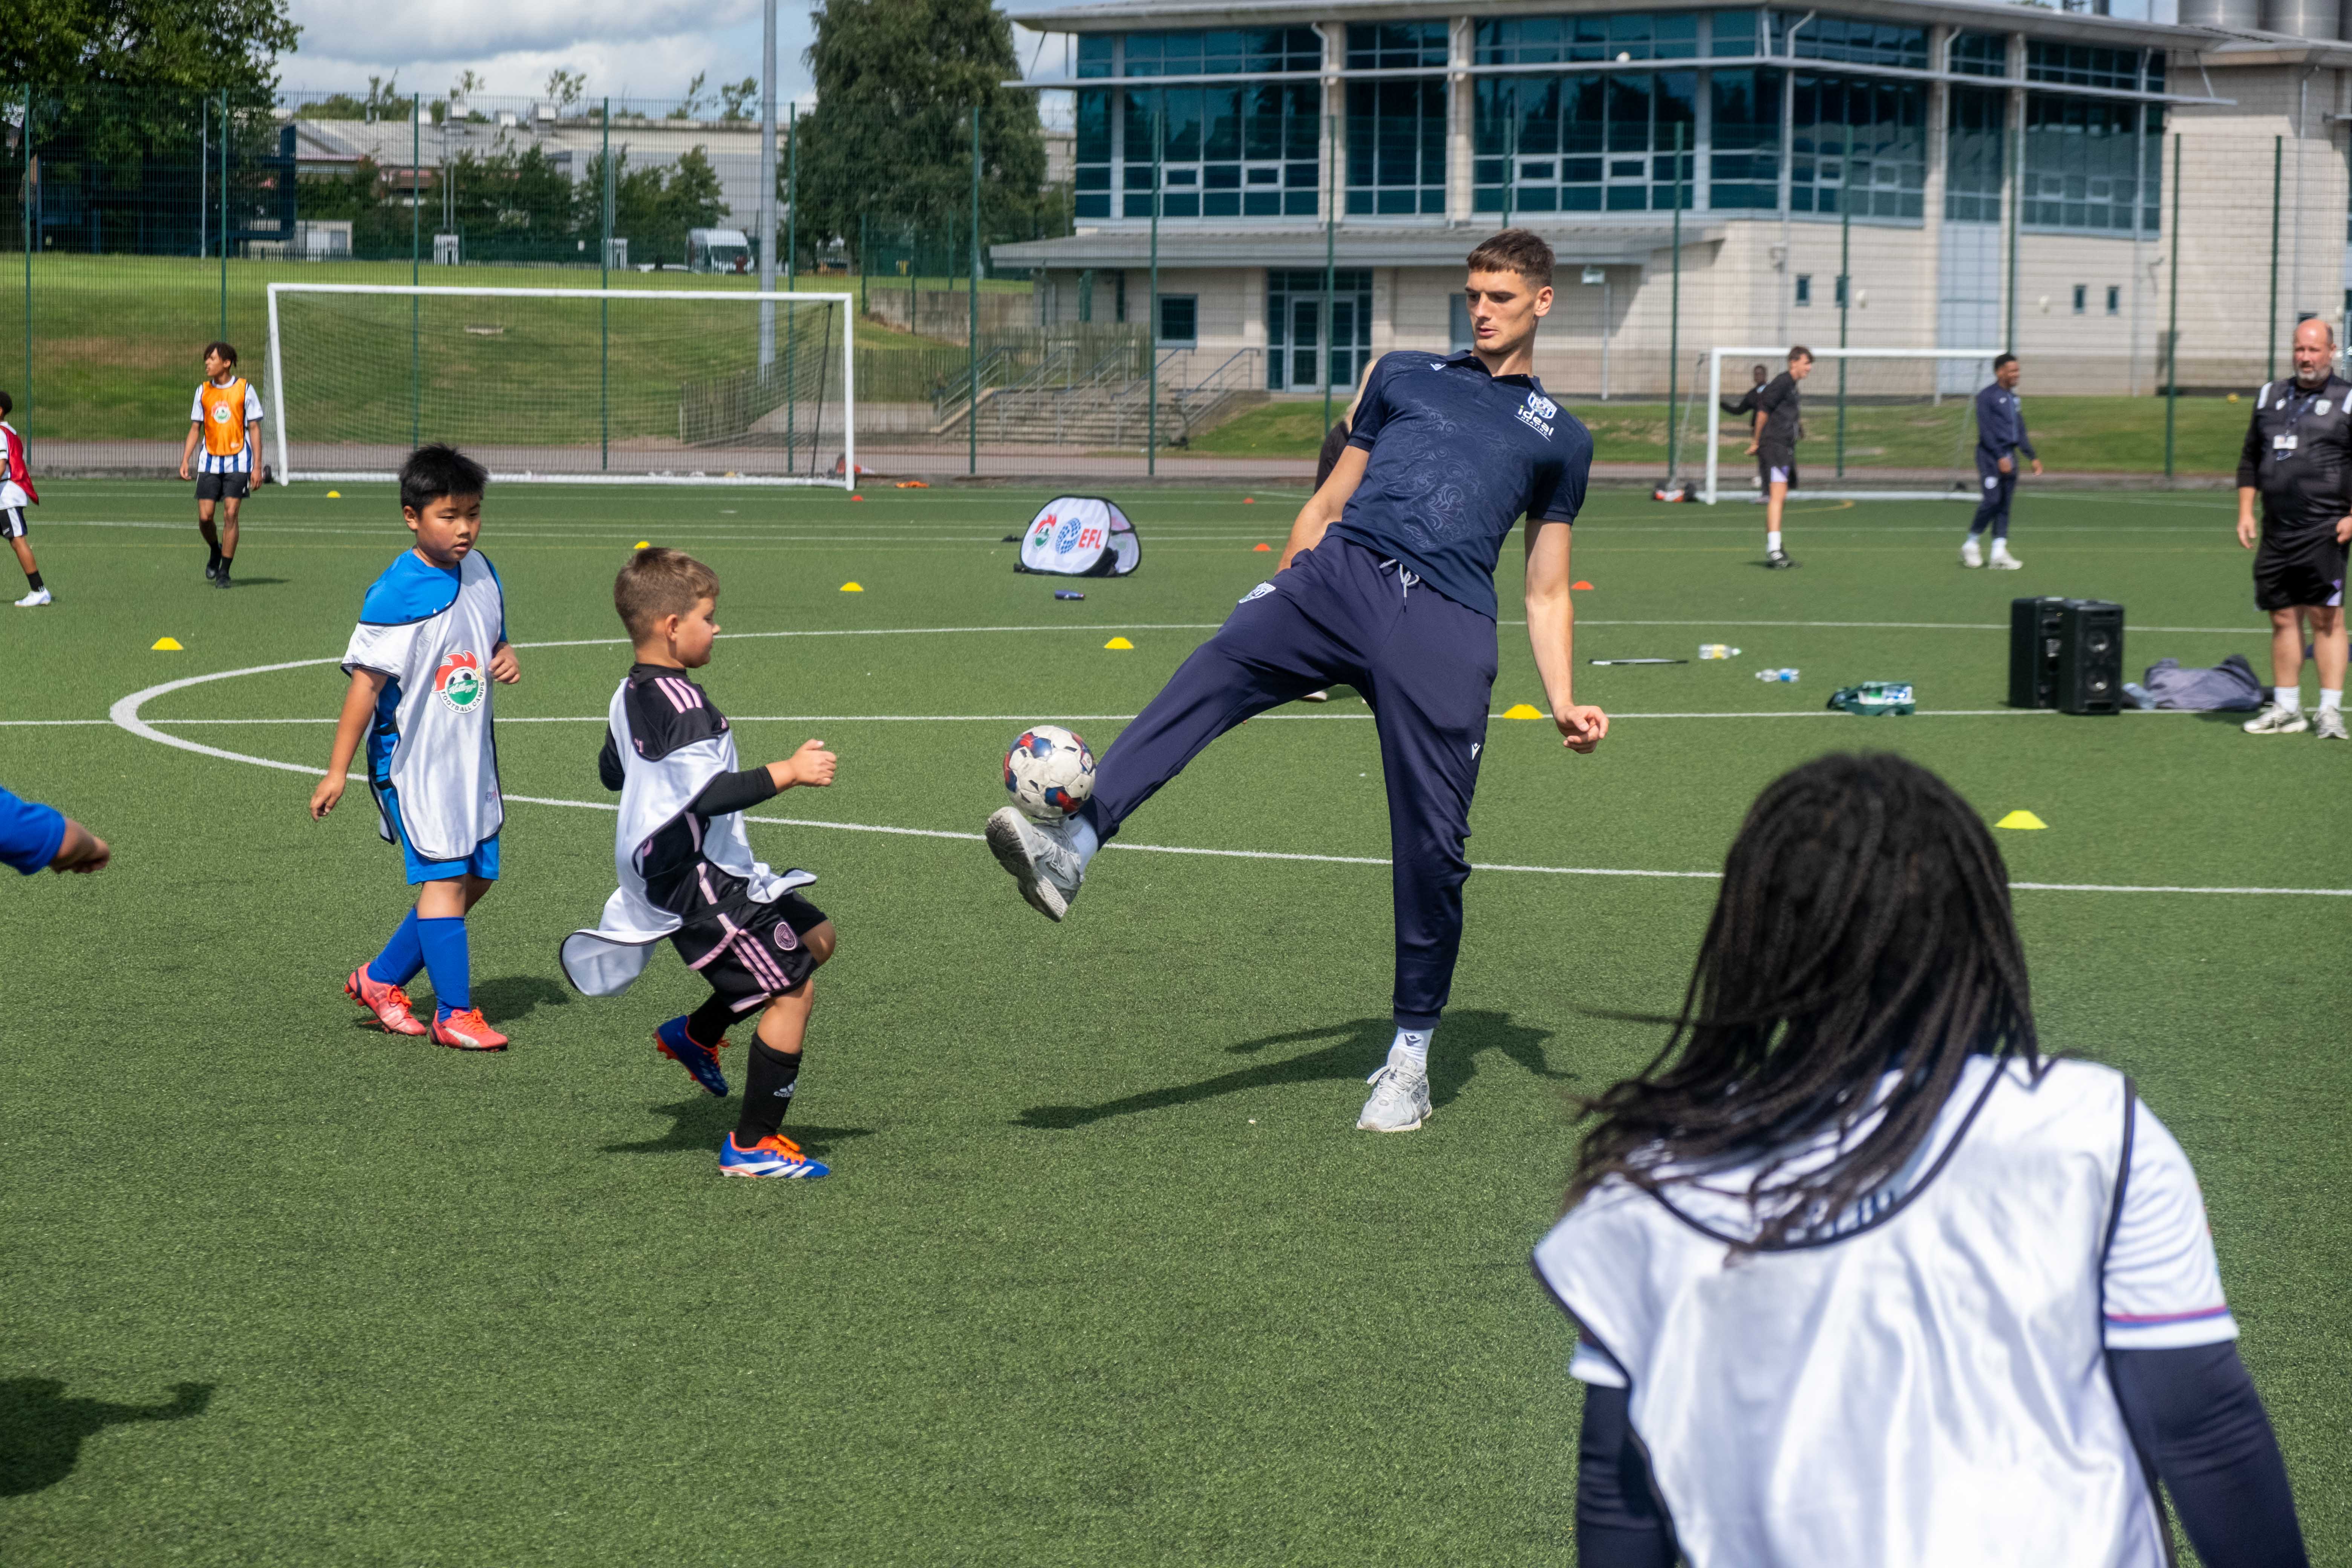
{"points": [[1864, 1278]]}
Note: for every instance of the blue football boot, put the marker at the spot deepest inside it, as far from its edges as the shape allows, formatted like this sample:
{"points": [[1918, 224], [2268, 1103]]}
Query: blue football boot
{"points": [[672, 1041], [776, 1155]]}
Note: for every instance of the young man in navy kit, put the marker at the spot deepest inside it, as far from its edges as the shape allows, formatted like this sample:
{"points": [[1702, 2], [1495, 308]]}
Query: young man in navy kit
{"points": [[2000, 437], [1388, 585]]}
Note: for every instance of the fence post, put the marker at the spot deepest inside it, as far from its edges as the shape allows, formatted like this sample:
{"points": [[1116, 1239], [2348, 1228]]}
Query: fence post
{"points": [[31, 230], [2278, 145], [792, 264], [604, 309], [415, 242], [1845, 280], [1331, 263], [2172, 328], [972, 327], [1151, 302], [767, 182], [1674, 316], [862, 269]]}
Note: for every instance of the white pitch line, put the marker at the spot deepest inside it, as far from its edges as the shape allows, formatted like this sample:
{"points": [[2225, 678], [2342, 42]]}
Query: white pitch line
{"points": [[125, 713]]}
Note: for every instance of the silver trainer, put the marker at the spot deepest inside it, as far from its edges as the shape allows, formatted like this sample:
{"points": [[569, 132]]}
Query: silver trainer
{"points": [[1046, 869], [1400, 1102]]}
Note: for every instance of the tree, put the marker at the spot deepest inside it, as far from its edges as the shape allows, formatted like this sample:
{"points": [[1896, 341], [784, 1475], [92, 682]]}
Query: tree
{"points": [[696, 100], [564, 88], [738, 99], [172, 49], [891, 135], [653, 207]]}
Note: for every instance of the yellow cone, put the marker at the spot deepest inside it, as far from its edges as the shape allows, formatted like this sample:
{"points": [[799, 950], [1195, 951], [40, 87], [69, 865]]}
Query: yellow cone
{"points": [[335, 495], [1120, 643], [642, 544], [2021, 819], [853, 587], [166, 645], [1521, 710]]}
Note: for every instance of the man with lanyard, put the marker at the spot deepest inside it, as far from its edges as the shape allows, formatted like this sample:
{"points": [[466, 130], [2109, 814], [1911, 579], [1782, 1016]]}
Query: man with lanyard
{"points": [[2000, 437], [1778, 411], [2298, 455], [1387, 584]]}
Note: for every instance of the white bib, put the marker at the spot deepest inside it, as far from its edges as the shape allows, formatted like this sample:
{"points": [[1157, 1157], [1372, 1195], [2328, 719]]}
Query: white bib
{"points": [[444, 760], [1927, 1388]]}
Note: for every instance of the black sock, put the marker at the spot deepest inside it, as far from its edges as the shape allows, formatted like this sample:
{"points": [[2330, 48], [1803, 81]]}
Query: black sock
{"points": [[33, 581], [224, 563], [767, 1093], [707, 1024]]}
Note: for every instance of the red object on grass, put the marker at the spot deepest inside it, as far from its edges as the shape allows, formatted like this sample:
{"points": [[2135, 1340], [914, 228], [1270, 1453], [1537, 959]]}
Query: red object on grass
{"points": [[1258, 547], [1574, 585]]}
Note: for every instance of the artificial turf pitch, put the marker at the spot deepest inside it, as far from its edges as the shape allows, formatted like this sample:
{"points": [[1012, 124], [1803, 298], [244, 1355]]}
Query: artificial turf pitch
{"points": [[1105, 1273]]}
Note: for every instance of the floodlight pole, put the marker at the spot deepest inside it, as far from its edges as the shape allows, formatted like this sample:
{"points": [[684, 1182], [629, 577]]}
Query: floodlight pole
{"points": [[2172, 327], [767, 182]]}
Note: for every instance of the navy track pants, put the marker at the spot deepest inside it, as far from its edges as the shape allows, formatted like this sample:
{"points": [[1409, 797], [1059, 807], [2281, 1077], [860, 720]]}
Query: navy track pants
{"points": [[1426, 665], [1997, 490]]}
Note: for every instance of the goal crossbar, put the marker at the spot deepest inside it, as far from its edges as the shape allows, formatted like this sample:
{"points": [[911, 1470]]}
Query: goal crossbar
{"points": [[766, 297], [1779, 351]]}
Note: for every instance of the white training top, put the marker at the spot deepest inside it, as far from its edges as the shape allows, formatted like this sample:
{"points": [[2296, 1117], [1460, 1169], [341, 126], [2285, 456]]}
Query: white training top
{"points": [[432, 631], [1925, 1383]]}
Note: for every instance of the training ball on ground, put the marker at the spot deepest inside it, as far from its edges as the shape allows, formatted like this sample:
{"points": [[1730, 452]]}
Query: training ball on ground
{"points": [[1049, 773]]}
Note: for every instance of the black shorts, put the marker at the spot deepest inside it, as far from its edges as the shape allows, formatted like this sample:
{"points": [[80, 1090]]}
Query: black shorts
{"points": [[2301, 569], [11, 522], [752, 952], [221, 487]]}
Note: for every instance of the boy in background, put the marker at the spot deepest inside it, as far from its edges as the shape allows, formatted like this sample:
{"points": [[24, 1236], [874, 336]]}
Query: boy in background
{"points": [[685, 867], [1778, 410], [431, 637], [226, 419], [16, 493]]}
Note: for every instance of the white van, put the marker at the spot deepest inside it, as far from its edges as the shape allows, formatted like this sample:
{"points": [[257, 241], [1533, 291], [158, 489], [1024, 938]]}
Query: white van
{"points": [[717, 250]]}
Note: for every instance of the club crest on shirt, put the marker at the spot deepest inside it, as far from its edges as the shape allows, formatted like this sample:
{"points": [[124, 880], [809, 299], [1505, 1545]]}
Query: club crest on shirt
{"points": [[1533, 420], [220, 414], [1543, 405], [458, 683]]}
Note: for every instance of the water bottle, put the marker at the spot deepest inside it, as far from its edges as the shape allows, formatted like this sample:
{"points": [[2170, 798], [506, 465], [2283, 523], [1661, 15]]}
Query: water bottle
{"points": [[1785, 677], [1717, 650]]}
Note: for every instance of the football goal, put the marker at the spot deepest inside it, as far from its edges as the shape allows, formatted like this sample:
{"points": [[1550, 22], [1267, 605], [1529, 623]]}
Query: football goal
{"points": [[618, 386], [1878, 423]]}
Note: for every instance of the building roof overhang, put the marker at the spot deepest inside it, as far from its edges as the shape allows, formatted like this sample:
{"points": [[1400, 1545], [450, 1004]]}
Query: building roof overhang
{"points": [[1587, 245]]}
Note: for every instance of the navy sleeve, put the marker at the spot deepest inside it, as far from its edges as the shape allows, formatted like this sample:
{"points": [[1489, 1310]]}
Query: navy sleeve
{"points": [[2196, 1417], [1618, 1525], [1567, 498], [31, 834], [1775, 393], [1373, 410], [2023, 445], [2249, 455]]}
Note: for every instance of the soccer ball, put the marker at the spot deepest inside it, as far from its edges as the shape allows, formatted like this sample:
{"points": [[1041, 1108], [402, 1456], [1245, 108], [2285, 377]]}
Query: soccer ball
{"points": [[1049, 773]]}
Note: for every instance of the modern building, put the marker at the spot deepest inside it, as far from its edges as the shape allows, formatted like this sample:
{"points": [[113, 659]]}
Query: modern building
{"points": [[1992, 175]]}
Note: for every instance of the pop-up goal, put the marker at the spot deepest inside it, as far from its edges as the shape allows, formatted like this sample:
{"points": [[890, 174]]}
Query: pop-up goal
{"points": [[1880, 424]]}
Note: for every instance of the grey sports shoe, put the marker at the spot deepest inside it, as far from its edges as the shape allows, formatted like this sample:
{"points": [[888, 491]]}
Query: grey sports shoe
{"points": [[1400, 1102], [2277, 719], [1971, 552], [2001, 560], [2328, 724], [1046, 869]]}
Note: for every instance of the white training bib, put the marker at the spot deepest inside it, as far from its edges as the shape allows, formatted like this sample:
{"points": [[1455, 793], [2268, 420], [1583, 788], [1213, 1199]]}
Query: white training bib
{"points": [[444, 760]]}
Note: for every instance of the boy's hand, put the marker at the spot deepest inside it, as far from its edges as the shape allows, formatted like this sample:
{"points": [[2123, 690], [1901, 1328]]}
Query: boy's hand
{"points": [[82, 851], [503, 667], [184, 468], [1581, 726], [323, 798], [812, 765]]}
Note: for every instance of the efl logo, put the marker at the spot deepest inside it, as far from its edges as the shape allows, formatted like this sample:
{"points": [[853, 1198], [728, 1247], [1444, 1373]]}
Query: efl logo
{"points": [[458, 683]]}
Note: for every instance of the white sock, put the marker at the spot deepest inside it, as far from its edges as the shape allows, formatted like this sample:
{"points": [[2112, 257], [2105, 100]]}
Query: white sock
{"points": [[1771, 540], [1079, 834], [1409, 1052], [2287, 696], [2001, 545], [2330, 701]]}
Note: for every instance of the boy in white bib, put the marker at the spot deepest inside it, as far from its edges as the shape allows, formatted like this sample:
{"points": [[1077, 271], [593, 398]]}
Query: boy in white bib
{"points": [[1863, 1277], [432, 638]]}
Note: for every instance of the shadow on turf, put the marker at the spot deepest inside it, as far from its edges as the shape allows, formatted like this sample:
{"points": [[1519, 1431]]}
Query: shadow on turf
{"points": [[696, 1125], [1358, 1049], [42, 1432]]}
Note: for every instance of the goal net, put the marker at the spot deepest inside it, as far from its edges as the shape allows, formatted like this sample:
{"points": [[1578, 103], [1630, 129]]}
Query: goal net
{"points": [[621, 385], [1877, 423]]}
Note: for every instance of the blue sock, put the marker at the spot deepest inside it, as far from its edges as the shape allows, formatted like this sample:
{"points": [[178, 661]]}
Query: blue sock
{"points": [[402, 957], [448, 963]]}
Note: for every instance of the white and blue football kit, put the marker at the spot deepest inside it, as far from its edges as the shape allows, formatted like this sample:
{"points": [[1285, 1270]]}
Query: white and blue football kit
{"points": [[432, 753], [1927, 1380], [1397, 601]]}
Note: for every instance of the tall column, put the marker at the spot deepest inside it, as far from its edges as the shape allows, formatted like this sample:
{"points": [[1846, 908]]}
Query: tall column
{"points": [[768, 182]]}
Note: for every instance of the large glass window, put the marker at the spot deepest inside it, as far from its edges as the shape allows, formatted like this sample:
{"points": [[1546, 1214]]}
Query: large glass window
{"points": [[1224, 51], [1395, 46], [2082, 65], [1093, 153], [1979, 54], [1733, 33], [1296, 334], [1860, 146], [2090, 162], [1850, 38], [1744, 167], [1586, 142], [1225, 151], [1975, 143], [1094, 55], [1547, 40], [1396, 147]]}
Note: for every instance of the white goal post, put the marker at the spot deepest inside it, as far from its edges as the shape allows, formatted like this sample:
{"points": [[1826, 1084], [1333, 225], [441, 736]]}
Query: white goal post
{"points": [[1942, 381], [681, 386]]}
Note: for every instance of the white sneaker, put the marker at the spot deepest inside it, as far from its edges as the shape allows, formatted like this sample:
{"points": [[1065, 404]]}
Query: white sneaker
{"points": [[1322, 696], [1400, 1102], [2001, 560], [1046, 869], [2277, 720], [38, 596], [2328, 724], [1971, 552]]}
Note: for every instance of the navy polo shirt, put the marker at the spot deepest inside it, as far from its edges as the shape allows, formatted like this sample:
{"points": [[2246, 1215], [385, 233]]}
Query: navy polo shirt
{"points": [[1457, 455]]}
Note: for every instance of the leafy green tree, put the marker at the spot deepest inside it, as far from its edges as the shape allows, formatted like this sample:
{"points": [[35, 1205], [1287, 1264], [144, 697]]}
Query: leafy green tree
{"points": [[897, 81], [175, 50], [652, 207], [740, 100]]}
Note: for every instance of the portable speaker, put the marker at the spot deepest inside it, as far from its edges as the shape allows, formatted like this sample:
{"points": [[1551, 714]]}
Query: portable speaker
{"points": [[2033, 640], [2090, 656]]}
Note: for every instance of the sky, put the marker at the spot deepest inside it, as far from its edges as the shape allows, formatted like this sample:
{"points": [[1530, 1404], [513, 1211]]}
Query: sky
{"points": [[627, 48]]}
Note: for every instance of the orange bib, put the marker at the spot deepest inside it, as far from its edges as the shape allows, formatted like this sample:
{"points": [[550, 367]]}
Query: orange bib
{"points": [[224, 409]]}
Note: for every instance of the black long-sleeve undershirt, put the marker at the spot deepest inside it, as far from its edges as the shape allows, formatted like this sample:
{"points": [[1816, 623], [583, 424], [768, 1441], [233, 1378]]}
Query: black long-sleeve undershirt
{"points": [[728, 791], [2193, 1412]]}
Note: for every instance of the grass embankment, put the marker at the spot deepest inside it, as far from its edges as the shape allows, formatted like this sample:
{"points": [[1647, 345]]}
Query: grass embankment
{"points": [[2102, 435]]}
